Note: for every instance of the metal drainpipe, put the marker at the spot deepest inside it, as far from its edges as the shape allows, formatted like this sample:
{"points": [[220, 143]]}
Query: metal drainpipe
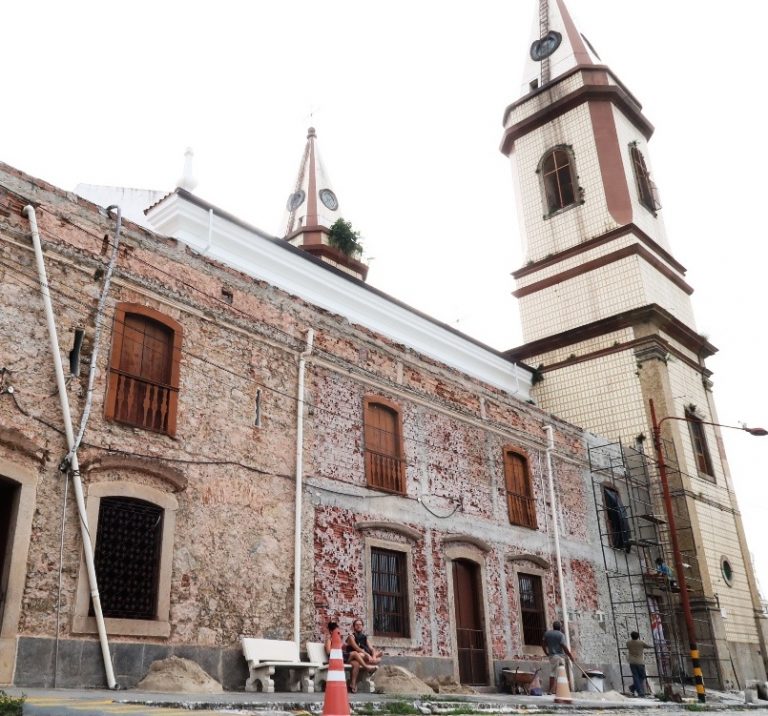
{"points": [[299, 487], [556, 533], [74, 464]]}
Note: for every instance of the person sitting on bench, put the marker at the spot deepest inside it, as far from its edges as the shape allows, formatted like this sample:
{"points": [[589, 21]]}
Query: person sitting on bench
{"points": [[358, 644], [354, 659]]}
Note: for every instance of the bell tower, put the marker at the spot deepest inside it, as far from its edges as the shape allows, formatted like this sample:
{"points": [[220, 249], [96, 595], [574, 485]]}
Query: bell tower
{"points": [[606, 310]]}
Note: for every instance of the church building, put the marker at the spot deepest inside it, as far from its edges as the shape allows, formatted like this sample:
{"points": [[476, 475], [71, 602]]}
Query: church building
{"points": [[208, 432]]}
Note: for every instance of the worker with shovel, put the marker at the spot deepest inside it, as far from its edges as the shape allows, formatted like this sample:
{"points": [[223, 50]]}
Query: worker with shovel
{"points": [[556, 649]]}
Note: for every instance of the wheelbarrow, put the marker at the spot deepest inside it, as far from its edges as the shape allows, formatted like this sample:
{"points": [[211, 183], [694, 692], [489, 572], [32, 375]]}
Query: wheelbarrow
{"points": [[517, 681]]}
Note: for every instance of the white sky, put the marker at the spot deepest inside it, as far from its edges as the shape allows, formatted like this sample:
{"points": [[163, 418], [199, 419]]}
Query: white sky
{"points": [[407, 98]]}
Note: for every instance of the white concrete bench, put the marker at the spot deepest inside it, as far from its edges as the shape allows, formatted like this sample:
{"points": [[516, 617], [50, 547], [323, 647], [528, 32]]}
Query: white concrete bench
{"points": [[265, 656], [316, 654]]}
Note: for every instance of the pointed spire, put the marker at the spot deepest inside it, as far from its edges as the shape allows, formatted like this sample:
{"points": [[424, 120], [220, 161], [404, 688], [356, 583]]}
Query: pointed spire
{"points": [[313, 202], [187, 180], [556, 46], [313, 208]]}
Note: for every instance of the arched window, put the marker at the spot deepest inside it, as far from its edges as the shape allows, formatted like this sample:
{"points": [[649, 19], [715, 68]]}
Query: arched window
{"points": [[144, 369], [517, 480], [558, 175], [646, 189], [384, 464], [133, 554]]}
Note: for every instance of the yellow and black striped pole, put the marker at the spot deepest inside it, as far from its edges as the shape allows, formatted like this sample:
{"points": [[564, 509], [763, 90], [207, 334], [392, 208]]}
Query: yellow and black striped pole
{"points": [[698, 677]]}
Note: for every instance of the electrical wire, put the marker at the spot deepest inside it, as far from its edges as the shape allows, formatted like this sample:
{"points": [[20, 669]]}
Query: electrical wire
{"points": [[75, 304], [317, 349]]}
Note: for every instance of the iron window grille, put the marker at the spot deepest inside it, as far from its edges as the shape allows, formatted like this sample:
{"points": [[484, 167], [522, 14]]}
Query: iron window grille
{"points": [[127, 557], [390, 593], [532, 609]]}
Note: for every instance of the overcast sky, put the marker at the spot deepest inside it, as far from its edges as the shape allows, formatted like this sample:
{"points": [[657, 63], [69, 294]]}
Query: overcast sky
{"points": [[407, 98]]}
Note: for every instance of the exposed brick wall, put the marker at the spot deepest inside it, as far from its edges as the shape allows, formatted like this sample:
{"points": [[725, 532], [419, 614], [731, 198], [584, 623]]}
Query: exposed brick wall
{"points": [[232, 569]]}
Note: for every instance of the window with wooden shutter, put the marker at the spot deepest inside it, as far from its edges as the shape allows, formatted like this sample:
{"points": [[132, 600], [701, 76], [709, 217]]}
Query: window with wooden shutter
{"points": [[646, 189], [520, 502], [384, 463], [700, 447], [144, 369], [532, 609]]}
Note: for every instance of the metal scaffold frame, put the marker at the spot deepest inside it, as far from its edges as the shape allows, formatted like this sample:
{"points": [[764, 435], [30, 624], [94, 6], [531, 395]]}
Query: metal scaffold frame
{"points": [[633, 535]]}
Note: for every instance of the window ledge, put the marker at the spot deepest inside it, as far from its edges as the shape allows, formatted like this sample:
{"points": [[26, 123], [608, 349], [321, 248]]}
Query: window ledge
{"points": [[705, 476], [395, 642], [123, 627], [532, 650]]}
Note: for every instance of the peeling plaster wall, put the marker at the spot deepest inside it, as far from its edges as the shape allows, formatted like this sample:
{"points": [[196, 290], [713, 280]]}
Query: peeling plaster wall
{"points": [[232, 565]]}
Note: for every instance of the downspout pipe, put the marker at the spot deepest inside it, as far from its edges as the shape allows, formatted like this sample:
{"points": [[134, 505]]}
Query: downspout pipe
{"points": [[74, 466], [556, 531], [299, 488]]}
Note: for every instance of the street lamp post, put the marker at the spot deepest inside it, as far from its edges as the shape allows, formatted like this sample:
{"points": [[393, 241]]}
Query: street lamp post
{"points": [[679, 567]]}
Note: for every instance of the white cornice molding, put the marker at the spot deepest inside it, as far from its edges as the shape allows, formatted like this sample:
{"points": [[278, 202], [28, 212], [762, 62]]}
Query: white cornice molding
{"points": [[249, 251]]}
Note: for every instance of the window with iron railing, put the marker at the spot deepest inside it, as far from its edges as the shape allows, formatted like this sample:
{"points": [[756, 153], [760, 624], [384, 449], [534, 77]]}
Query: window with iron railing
{"points": [[384, 463], [389, 587], [144, 369], [520, 501], [532, 609]]}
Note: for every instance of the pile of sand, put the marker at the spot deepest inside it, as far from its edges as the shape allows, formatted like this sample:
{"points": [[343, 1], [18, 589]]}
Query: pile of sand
{"points": [[599, 696], [178, 675], [392, 679]]}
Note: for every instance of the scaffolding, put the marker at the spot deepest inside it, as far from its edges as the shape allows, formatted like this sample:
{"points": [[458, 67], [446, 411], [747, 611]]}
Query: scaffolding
{"points": [[643, 592]]}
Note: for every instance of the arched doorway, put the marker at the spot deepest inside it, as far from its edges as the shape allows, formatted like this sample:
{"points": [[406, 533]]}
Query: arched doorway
{"points": [[17, 507], [470, 627], [9, 500]]}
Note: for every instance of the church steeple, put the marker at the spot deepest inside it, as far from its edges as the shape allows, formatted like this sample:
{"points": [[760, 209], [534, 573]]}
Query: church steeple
{"points": [[312, 210], [556, 46]]}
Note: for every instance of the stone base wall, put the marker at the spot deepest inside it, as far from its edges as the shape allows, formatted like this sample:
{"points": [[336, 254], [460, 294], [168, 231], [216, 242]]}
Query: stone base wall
{"points": [[80, 664]]}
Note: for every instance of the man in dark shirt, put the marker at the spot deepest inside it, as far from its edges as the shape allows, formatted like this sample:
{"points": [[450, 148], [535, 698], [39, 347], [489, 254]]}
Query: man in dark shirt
{"points": [[358, 642], [556, 649]]}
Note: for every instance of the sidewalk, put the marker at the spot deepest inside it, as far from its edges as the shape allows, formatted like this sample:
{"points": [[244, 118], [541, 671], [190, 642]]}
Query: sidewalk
{"points": [[313, 703]]}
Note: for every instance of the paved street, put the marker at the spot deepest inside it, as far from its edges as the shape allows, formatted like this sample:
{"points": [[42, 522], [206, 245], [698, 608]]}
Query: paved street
{"points": [[97, 703]]}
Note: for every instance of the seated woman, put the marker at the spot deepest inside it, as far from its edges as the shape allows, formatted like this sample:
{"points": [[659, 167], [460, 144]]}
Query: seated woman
{"points": [[354, 659], [358, 643]]}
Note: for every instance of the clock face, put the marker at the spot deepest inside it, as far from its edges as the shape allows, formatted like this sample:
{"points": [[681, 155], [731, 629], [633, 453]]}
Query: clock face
{"points": [[546, 45], [295, 200], [329, 199]]}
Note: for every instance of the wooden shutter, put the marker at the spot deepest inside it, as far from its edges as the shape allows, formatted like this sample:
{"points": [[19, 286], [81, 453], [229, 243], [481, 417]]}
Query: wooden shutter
{"points": [[384, 467], [144, 369], [520, 502]]}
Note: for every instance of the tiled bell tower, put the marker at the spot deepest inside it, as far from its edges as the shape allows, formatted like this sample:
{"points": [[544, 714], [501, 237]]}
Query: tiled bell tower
{"points": [[606, 310]]}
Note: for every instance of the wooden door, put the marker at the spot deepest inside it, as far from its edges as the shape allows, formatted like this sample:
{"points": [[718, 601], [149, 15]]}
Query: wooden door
{"points": [[470, 629]]}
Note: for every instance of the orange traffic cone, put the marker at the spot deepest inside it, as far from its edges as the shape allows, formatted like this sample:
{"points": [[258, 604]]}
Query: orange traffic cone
{"points": [[336, 702], [562, 689]]}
